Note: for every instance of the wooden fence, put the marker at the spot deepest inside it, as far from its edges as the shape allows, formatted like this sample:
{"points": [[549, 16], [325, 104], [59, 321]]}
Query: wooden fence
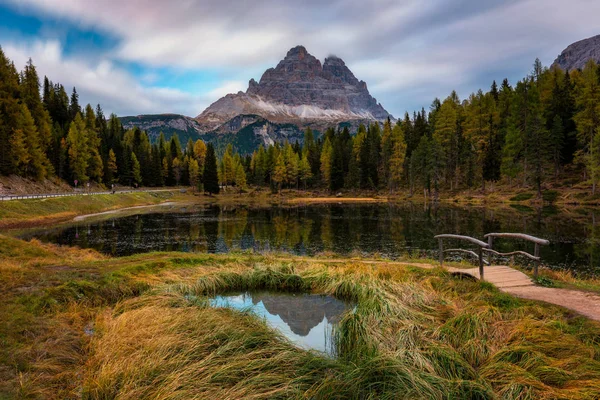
{"points": [[487, 248]]}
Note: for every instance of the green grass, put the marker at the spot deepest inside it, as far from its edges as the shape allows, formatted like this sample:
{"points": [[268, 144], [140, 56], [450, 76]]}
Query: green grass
{"points": [[24, 213], [566, 279]]}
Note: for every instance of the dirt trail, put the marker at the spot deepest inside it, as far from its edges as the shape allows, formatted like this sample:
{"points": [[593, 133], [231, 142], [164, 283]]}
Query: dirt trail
{"points": [[584, 303], [118, 210]]}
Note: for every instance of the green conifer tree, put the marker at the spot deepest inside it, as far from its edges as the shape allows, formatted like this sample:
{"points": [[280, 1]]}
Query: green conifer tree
{"points": [[136, 171], [194, 173], [397, 155], [20, 155], [588, 103], [112, 167], [304, 171], [279, 172], [10, 110], [593, 161], [211, 178], [326, 154], [95, 167], [30, 93], [74, 107], [77, 142]]}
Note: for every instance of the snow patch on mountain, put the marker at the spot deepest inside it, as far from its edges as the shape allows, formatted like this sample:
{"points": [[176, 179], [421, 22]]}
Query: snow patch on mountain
{"points": [[306, 111]]}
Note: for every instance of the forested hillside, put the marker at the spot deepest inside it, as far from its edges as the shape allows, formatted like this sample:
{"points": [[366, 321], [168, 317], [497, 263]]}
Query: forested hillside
{"points": [[50, 134], [540, 130]]}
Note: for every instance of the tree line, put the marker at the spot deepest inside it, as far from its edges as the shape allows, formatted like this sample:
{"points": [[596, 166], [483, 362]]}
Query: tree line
{"points": [[544, 127], [45, 133]]}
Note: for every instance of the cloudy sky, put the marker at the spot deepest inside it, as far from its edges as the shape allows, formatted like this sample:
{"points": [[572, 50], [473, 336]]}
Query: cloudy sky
{"points": [[155, 56]]}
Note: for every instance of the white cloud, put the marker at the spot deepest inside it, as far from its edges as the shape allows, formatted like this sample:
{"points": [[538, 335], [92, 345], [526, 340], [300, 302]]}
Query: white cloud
{"points": [[115, 89], [399, 47], [226, 88], [390, 75]]}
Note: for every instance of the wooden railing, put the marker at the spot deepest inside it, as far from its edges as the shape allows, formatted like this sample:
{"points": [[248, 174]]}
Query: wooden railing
{"points": [[536, 252], [480, 245], [487, 247]]}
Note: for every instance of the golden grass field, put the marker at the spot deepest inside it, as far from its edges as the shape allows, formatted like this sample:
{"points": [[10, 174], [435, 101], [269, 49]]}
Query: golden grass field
{"points": [[77, 324]]}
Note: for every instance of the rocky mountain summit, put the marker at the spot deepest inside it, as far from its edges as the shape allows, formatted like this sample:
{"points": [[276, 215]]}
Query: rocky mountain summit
{"points": [[576, 55], [301, 91]]}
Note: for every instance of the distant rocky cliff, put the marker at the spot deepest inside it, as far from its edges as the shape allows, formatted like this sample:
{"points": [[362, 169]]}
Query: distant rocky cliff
{"points": [[169, 124], [298, 93], [576, 55], [301, 91]]}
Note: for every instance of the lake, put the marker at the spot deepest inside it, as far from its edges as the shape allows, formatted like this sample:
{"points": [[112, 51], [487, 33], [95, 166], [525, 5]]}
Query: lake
{"points": [[387, 230]]}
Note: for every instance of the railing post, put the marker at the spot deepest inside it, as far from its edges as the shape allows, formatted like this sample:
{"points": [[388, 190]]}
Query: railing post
{"points": [[490, 243], [481, 263], [441, 245], [536, 263]]}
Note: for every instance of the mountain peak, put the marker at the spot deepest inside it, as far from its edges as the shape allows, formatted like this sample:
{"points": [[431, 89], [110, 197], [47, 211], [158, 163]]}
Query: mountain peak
{"points": [[333, 59], [300, 90], [297, 52], [577, 54]]}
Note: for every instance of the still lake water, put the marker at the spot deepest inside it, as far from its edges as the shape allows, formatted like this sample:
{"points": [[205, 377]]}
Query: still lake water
{"points": [[307, 320], [359, 229]]}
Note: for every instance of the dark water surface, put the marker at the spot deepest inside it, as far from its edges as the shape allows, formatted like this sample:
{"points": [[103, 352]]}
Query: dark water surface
{"points": [[362, 229], [307, 320]]}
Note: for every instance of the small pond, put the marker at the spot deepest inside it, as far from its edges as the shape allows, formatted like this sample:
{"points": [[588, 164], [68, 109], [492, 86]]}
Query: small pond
{"points": [[307, 320]]}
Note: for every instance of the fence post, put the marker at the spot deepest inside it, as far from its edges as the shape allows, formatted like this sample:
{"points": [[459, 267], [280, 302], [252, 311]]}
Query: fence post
{"points": [[536, 264], [441, 252], [490, 243], [481, 263]]}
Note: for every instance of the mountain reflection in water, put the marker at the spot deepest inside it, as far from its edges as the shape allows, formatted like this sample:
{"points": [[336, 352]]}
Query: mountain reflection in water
{"points": [[305, 319]]}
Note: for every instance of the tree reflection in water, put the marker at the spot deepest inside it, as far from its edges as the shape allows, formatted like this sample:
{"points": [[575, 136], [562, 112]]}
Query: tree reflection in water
{"points": [[386, 229]]}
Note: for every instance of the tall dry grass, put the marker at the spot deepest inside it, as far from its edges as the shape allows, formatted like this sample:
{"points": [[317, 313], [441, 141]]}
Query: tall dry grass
{"points": [[411, 335], [76, 324]]}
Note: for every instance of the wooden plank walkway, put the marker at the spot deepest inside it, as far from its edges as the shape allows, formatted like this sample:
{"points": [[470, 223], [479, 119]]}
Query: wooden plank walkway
{"points": [[518, 284], [507, 279], [501, 276]]}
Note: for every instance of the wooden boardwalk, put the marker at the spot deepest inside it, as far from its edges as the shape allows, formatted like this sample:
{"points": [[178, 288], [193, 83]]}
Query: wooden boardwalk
{"points": [[501, 276], [507, 279], [518, 284]]}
